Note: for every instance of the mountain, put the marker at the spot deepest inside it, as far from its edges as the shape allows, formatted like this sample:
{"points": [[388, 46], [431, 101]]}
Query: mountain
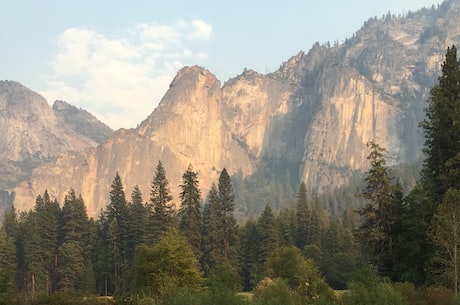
{"points": [[315, 114], [81, 121], [33, 134]]}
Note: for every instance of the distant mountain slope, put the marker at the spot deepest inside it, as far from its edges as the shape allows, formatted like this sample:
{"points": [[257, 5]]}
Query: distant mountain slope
{"points": [[81, 121], [33, 134], [316, 113]]}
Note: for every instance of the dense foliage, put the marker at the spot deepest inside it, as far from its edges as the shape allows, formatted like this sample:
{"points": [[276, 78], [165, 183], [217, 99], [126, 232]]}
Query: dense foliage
{"points": [[397, 249]]}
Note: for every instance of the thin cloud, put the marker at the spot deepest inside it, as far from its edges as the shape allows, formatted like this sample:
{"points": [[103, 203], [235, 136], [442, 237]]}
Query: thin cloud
{"points": [[121, 80], [201, 30]]}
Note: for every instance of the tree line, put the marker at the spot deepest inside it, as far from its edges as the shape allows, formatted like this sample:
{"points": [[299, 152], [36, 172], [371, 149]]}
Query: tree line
{"points": [[148, 248]]}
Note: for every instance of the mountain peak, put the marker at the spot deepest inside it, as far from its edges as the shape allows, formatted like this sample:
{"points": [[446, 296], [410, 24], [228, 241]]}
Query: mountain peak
{"points": [[81, 121]]}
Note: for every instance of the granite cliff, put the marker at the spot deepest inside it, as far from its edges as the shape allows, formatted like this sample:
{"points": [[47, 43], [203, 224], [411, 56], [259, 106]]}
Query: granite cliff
{"points": [[33, 133], [316, 112]]}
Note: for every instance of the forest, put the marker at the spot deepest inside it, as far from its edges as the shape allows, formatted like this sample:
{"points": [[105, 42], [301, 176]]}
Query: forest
{"points": [[396, 247]]}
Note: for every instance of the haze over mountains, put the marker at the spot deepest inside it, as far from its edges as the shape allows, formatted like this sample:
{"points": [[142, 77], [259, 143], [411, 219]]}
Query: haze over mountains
{"points": [[314, 115]]}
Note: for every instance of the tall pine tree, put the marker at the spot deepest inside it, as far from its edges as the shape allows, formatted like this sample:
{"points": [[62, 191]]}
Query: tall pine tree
{"points": [[375, 232], [226, 217], [190, 210], [210, 234], [442, 131], [160, 205], [302, 217], [118, 232]]}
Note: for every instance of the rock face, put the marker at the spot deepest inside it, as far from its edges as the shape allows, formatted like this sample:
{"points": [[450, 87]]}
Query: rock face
{"points": [[32, 133], [81, 122], [317, 112]]}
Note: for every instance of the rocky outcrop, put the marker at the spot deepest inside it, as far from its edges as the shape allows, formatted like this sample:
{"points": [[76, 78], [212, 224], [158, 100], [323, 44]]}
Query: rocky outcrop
{"points": [[81, 121], [316, 112]]}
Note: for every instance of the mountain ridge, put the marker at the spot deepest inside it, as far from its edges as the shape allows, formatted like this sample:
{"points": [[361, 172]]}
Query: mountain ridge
{"points": [[317, 112]]}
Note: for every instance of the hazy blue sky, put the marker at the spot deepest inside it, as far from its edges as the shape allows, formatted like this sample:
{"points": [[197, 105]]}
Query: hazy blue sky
{"points": [[117, 58]]}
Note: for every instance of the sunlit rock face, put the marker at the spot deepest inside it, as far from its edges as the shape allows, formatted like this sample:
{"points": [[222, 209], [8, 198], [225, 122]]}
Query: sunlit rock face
{"points": [[33, 133], [317, 111]]}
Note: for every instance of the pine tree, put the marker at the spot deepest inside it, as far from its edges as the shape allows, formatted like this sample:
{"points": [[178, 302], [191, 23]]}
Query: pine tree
{"points": [[160, 205], [118, 232], [38, 245], [104, 259], [412, 246], [377, 214], [268, 237], [226, 217], [190, 211], [76, 241], [8, 258], [287, 227], [440, 172], [302, 217], [249, 256], [210, 236], [138, 215], [442, 131]]}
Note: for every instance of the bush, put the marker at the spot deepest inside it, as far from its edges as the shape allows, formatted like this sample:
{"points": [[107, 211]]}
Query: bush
{"points": [[367, 288], [223, 297], [275, 292], [181, 296], [224, 277], [438, 295]]}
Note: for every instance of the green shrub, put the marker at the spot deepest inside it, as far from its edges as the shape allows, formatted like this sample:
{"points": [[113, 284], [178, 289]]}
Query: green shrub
{"points": [[438, 295], [275, 292], [181, 296], [367, 288]]}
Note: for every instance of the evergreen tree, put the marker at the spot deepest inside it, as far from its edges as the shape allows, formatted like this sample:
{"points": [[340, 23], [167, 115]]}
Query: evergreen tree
{"points": [[71, 264], [138, 216], [442, 131], [339, 255], [287, 227], [226, 217], [190, 210], [76, 241], [412, 246], [118, 232], [47, 217], [160, 205], [249, 256], [37, 244], [440, 171], [210, 237], [317, 223], [268, 237], [375, 232], [104, 259], [8, 260], [302, 217]]}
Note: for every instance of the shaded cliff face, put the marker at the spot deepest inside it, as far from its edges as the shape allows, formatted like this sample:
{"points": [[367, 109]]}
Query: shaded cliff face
{"points": [[31, 133], [317, 112]]}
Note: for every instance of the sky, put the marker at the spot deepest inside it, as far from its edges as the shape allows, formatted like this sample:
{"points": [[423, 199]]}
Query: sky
{"points": [[116, 58]]}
